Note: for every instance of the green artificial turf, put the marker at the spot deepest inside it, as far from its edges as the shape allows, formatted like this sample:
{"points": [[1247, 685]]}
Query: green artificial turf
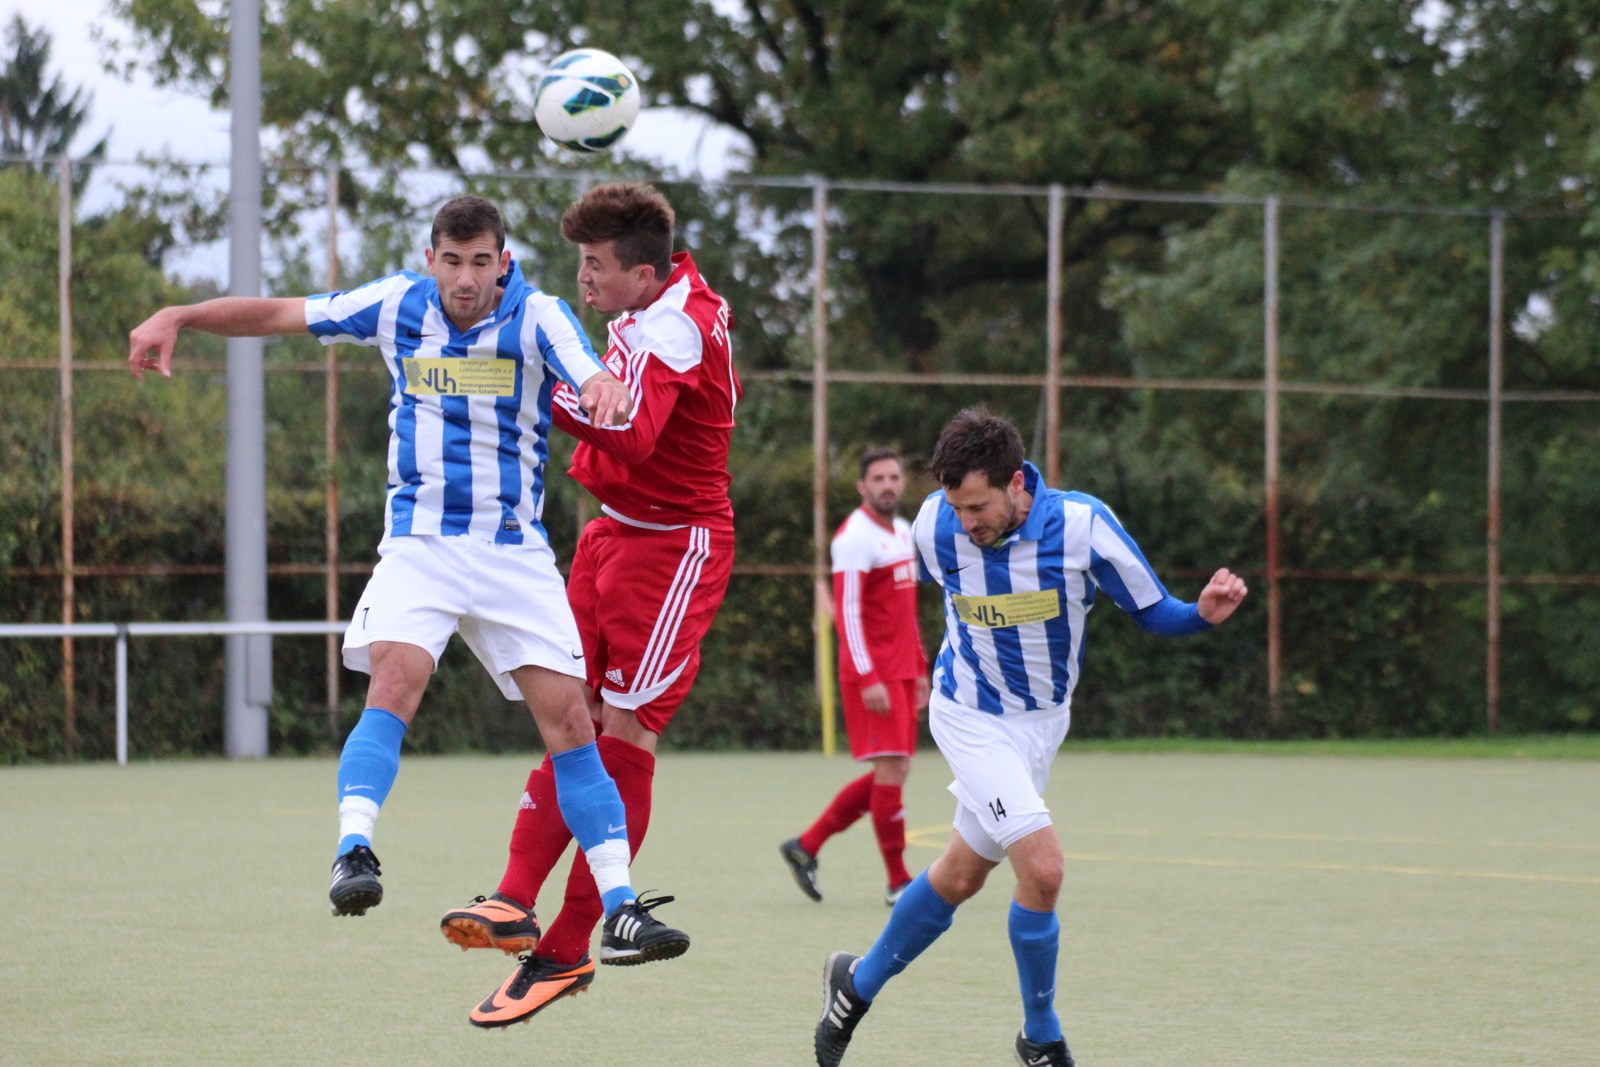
{"points": [[1248, 908]]}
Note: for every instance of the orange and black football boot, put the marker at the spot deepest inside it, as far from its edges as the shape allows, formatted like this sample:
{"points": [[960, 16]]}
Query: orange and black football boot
{"points": [[492, 922], [532, 987]]}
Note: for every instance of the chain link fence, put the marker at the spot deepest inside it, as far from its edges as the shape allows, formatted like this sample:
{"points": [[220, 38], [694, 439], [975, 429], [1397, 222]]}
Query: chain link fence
{"points": [[1384, 417]]}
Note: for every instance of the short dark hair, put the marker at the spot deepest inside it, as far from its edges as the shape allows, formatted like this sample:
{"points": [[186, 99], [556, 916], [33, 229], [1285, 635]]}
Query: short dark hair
{"points": [[633, 216], [467, 217], [877, 455], [977, 440]]}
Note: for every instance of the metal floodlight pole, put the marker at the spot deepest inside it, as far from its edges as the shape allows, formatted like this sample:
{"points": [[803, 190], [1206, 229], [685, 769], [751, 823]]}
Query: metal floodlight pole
{"points": [[249, 656]]}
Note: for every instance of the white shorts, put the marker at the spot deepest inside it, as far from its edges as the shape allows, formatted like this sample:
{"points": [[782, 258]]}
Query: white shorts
{"points": [[1001, 765], [508, 602]]}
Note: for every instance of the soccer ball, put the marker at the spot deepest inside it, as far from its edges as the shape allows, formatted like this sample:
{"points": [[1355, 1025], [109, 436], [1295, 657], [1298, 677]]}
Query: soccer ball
{"points": [[586, 100]]}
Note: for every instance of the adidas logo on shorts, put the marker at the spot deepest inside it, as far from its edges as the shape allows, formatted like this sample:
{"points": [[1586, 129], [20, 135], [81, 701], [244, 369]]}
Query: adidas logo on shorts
{"points": [[526, 803], [614, 676]]}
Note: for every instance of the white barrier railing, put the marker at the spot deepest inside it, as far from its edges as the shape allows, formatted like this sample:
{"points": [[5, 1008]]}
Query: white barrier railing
{"points": [[121, 631]]}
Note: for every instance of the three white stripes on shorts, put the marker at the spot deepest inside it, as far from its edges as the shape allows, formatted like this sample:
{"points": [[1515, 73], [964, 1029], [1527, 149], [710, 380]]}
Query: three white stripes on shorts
{"points": [[653, 664]]}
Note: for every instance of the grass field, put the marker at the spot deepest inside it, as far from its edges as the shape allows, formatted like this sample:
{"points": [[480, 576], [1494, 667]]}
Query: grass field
{"points": [[1248, 910]]}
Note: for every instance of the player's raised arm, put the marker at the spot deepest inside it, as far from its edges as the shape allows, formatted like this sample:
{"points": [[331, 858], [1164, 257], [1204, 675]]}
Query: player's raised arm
{"points": [[605, 399], [150, 344]]}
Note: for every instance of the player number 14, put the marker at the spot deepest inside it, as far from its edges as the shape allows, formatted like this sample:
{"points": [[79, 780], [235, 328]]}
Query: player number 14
{"points": [[997, 809]]}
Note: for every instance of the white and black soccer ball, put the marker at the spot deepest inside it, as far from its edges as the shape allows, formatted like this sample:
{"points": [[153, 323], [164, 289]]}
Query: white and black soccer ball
{"points": [[586, 100]]}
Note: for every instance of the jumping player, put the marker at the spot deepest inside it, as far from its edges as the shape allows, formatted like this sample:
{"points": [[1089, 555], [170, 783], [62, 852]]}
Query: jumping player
{"points": [[474, 354], [883, 673], [1020, 565], [646, 580]]}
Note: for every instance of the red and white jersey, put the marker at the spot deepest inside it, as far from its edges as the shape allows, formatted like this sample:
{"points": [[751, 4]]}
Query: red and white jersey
{"points": [[875, 601], [668, 464]]}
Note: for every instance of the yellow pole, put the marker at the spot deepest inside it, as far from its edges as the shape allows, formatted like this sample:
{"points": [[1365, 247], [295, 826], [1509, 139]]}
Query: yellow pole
{"points": [[821, 571], [826, 677]]}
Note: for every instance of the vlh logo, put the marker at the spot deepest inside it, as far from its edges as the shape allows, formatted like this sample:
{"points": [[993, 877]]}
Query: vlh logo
{"points": [[438, 380], [989, 615]]}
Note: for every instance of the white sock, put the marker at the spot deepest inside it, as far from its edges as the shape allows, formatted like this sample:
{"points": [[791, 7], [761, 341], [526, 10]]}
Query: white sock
{"points": [[357, 815], [608, 862]]}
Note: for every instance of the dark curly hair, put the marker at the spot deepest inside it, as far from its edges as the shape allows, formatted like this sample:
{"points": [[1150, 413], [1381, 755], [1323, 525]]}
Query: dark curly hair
{"points": [[633, 216], [977, 440]]}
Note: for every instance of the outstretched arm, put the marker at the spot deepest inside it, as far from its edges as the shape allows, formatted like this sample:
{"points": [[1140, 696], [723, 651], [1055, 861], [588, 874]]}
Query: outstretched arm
{"points": [[1221, 596], [150, 343], [1171, 617]]}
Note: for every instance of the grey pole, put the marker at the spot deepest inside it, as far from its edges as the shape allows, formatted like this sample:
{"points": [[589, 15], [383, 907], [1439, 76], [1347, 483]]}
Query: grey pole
{"points": [[249, 657]]}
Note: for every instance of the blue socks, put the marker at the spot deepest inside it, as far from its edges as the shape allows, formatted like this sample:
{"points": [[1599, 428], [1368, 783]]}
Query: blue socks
{"points": [[593, 811], [919, 917], [922, 915], [1035, 942], [367, 768]]}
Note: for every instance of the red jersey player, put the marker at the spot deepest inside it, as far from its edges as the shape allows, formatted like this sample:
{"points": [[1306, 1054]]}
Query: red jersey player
{"points": [[646, 581], [883, 672]]}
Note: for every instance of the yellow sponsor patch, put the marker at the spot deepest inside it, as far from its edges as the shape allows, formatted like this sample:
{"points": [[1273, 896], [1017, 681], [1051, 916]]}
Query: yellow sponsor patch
{"points": [[435, 376], [1007, 609]]}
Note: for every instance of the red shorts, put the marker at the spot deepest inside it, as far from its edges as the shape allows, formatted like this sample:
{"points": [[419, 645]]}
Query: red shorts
{"points": [[643, 600], [890, 733]]}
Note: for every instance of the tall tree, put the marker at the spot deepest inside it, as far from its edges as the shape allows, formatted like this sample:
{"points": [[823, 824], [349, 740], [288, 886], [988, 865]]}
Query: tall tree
{"points": [[39, 115], [1029, 91], [1442, 105]]}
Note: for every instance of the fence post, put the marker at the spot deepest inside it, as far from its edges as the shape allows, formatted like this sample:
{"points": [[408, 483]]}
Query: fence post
{"points": [[122, 694], [821, 590], [1497, 267], [330, 443], [69, 585], [1052, 329], [1270, 419]]}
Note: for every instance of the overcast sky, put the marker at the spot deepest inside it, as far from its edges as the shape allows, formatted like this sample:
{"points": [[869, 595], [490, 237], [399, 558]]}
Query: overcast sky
{"points": [[142, 119], [138, 117]]}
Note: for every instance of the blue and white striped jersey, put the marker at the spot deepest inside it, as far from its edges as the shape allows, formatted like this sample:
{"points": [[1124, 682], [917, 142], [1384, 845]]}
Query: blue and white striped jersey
{"points": [[1015, 612], [469, 412]]}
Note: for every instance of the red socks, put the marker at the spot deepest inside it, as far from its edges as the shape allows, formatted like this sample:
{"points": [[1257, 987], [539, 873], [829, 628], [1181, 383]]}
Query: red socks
{"points": [[889, 821], [851, 803], [538, 839]]}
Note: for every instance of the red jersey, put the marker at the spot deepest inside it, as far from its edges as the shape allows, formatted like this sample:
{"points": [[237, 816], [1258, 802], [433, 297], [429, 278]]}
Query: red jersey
{"points": [[875, 601], [668, 463]]}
